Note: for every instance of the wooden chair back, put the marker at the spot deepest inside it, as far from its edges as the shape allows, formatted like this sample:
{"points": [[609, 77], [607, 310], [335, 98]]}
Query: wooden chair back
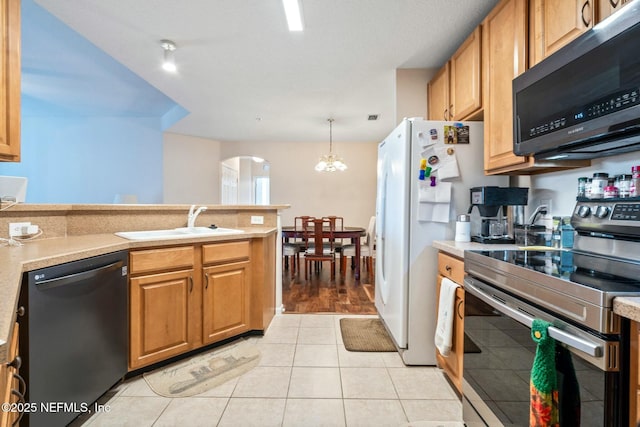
{"points": [[319, 235]]}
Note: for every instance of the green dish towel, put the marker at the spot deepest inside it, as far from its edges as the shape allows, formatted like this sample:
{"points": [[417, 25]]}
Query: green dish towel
{"points": [[543, 410]]}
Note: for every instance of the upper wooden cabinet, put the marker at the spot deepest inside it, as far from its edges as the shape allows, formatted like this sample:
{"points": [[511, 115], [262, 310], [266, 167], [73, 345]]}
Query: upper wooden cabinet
{"points": [[504, 48], [10, 80], [554, 23], [454, 93], [438, 95], [465, 82], [607, 8]]}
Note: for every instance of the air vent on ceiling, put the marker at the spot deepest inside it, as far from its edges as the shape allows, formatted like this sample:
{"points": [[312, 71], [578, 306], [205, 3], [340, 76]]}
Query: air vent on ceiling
{"points": [[372, 117]]}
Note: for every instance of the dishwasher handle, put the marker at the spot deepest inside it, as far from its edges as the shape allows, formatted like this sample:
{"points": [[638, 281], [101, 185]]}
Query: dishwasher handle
{"points": [[78, 277], [591, 348]]}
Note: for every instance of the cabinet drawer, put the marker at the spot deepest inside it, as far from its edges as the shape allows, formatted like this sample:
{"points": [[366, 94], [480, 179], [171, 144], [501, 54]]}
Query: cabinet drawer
{"points": [[451, 267], [160, 259], [226, 252]]}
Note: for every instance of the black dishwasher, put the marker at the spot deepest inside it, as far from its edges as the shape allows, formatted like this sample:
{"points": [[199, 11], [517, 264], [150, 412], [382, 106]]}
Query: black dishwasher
{"points": [[73, 336]]}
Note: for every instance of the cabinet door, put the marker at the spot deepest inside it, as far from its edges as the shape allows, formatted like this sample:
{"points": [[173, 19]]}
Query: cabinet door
{"points": [[438, 95], [607, 8], [225, 301], [10, 80], [159, 313], [504, 57], [555, 23], [465, 78], [452, 364], [9, 382]]}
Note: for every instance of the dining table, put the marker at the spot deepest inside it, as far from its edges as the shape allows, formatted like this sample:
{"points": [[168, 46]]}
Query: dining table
{"points": [[353, 233]]}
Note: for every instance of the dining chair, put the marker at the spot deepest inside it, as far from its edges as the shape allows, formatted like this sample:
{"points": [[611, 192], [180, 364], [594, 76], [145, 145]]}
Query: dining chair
{"points": [[295, 246], [367, 248], [320, 241]]}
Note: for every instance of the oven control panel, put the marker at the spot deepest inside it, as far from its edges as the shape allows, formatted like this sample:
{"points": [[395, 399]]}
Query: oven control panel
{"points": [[616, 217]]}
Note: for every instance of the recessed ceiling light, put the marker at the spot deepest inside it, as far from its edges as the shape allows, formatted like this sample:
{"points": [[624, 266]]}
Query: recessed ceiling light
{"points": [[373, 117], [294, 14]]}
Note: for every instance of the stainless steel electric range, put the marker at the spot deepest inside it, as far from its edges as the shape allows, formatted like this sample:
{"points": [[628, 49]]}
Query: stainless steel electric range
{"points": [[574, 290]]}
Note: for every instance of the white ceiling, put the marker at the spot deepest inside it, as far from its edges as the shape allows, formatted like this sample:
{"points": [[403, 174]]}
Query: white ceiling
{"points": [[244, 77]]}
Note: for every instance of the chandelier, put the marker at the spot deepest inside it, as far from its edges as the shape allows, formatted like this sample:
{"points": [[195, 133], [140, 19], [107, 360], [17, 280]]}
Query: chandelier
{"points": [[330, 162]]}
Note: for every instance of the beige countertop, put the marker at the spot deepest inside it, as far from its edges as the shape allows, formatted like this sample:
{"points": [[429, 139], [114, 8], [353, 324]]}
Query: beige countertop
{"points": [[36, 254], [628, 307], [457, 248]]}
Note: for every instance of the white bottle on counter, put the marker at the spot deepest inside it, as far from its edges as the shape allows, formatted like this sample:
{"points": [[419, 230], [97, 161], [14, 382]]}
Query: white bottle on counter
{"points": [[463, 229]]}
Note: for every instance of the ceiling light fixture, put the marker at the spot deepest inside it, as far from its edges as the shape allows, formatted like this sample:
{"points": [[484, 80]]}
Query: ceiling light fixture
{"points": [[330, 162], [169, 62], [294, 14]]}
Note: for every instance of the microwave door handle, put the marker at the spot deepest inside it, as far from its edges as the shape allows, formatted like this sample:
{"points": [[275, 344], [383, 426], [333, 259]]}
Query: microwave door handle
{"points": [[586, 346]]}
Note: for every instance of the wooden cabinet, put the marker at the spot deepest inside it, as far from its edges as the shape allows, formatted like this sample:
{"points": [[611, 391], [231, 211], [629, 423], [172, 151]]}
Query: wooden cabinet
{"points": [[634, 375], [504, 45], [10, 80], [607, 8], [225, 300], [452, 364], [10, 385], [554, 23], [465, 83], [454, 93], [438, 95], [162, 304], [182, 298]]}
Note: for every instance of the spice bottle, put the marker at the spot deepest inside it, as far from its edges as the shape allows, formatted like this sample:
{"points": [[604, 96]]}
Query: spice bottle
{"points": [[582, 186], [598, 183]]}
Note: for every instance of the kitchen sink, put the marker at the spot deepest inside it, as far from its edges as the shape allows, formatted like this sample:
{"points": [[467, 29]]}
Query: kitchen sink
{"points": [[177, 233]]}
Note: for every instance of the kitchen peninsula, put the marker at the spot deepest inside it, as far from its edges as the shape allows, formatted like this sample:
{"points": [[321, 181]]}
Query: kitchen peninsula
{"points": [[73, 232]]}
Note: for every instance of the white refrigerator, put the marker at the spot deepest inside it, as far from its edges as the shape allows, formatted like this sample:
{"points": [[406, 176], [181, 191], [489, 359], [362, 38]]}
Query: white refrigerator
{"points": [[411, 214]]}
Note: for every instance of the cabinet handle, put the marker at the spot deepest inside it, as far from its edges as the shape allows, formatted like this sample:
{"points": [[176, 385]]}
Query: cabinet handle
{"points": [[445, 113], [584, 6], [614, 3], [21, 399], [460, 316], [450, 112], [206, 280], [448, 268], [190, 283], [21, 311], [16, 363], [23, 384]]}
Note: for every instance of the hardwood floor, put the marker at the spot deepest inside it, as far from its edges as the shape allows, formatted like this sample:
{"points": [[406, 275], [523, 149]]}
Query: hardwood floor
{"points": [[322, 295]]}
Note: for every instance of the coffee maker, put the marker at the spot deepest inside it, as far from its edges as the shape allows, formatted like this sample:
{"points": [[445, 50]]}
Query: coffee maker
{"points": [[499, 208]]}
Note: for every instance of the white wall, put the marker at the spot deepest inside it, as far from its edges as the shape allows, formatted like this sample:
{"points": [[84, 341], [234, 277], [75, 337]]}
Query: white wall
{"points": [[411, 92], [350, 194], [561, 187], [191, 169]]}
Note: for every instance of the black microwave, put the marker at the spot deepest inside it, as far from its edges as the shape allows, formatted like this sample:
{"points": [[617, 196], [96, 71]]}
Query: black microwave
{"points": [[583, 101]]}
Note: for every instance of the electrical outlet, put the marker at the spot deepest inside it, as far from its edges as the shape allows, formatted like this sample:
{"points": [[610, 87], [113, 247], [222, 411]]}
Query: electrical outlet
{"points": [[257, 219], [16, 228], [547, 203]]}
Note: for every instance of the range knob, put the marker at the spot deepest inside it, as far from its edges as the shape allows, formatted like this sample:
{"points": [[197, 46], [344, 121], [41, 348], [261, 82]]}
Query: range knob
{"points": [[602, 212], [584, 211]]}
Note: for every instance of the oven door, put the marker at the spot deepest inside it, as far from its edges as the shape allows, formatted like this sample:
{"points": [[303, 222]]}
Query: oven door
{"points": [[499, 353]]}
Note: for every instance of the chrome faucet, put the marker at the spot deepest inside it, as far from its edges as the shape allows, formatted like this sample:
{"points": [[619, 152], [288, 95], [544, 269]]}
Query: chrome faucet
{"points": [[193, 214]]}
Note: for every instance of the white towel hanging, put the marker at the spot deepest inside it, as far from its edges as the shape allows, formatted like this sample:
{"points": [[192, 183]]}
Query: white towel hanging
{"points": [[446, 308]]}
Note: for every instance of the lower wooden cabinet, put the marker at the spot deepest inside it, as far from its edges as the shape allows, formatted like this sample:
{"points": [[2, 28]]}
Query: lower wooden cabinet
{"points": [[161, 315], [452, 364], [225, 301], [10, 385], [184, 297]]}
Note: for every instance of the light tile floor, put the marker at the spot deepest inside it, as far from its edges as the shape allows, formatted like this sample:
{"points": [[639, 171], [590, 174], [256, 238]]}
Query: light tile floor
{"points": [[305, 378]]}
